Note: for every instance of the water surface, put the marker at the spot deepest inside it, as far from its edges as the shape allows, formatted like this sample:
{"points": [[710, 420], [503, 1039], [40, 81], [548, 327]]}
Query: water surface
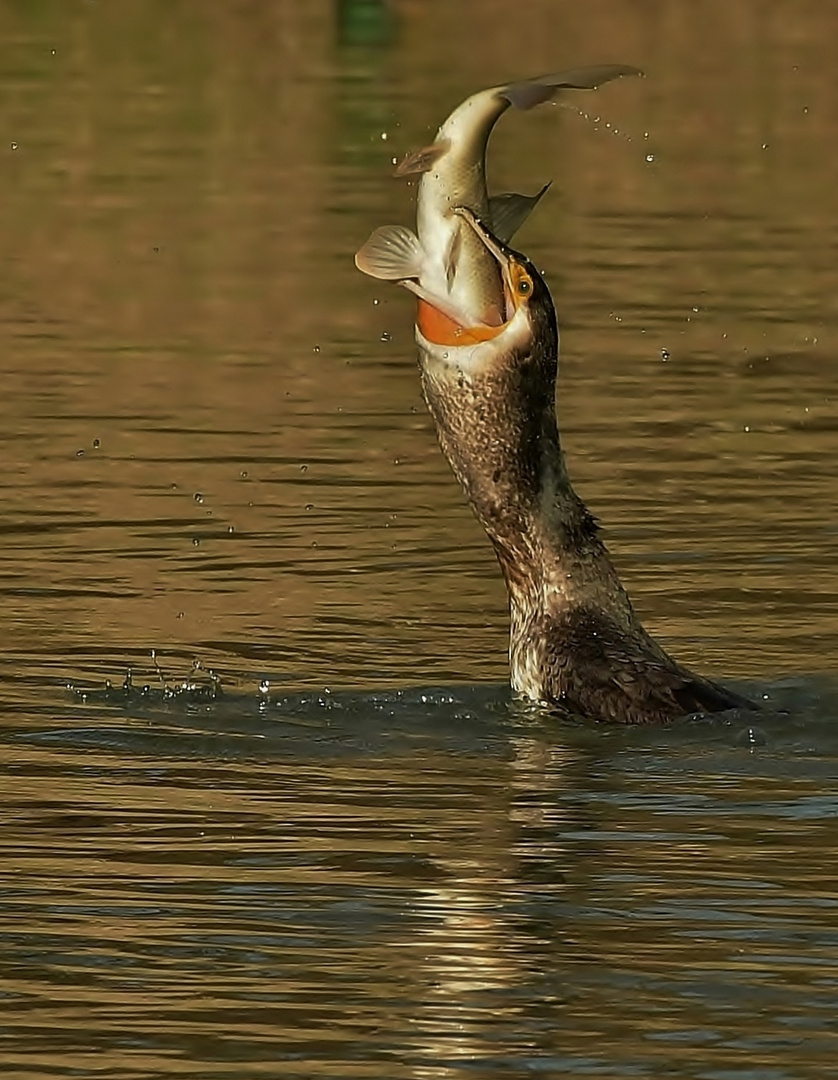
{"points": [[213, 446]]}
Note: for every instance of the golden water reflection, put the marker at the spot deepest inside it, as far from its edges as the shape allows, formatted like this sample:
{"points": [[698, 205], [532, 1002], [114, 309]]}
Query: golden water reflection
{"points": [[181, 310], [213, 445]]}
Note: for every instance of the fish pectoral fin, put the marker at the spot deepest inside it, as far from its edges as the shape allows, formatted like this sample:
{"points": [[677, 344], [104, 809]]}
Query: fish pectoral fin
{"points": [[531, 92], [392, 253], [420, 161], [509, 211]]}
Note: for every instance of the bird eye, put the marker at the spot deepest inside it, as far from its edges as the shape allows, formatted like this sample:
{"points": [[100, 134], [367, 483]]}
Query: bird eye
{"points": [[524, 287]]}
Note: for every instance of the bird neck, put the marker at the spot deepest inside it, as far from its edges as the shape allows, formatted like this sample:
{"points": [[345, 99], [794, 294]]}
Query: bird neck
{"points": [[498, 430]]}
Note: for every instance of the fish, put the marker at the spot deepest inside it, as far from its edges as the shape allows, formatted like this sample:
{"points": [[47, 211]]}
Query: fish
{"points": [[443, 262], [576, 644]]}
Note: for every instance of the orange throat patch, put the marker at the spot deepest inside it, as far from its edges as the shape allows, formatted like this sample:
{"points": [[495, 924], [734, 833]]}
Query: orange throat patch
{"points": [[443, 330]]}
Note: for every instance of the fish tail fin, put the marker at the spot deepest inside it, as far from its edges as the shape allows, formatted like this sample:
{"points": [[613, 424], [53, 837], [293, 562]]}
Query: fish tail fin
{"points": [[531, 92]]}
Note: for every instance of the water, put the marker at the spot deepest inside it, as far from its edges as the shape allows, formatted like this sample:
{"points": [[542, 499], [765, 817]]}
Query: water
{"points": [[361, 857]]}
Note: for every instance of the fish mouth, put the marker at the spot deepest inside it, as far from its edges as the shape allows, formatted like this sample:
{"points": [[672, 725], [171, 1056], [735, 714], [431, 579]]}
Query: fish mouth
{"points": [[441, 325]]}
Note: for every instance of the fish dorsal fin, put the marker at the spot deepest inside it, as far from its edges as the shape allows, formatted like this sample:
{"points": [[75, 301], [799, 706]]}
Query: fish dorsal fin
{"points": [[509, 211], [419, 161], [531, 92], [392, 253]]}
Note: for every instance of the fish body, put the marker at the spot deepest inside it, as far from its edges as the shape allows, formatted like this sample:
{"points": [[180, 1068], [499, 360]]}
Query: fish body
{"points": [[444, 261]]}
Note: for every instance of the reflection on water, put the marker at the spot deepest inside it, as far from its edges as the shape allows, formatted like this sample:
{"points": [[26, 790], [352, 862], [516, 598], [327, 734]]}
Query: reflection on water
{"points": [[427, 879], [213, 446]]}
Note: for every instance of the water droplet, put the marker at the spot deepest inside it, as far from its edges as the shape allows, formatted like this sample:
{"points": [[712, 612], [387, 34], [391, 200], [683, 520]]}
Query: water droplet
{"points": [[396, 461], [198, 497], [14, 146], [751, 737], [765, 146], [384, 136], [375, 303], [650, 157], [96, 444], [746, 428], [696, 309], [316, 348], [264, 686], [385, 336], [309, 506], [665, 354], [196, 542], [231, 529], [79, 453], [304, 468], [243, 474]]}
